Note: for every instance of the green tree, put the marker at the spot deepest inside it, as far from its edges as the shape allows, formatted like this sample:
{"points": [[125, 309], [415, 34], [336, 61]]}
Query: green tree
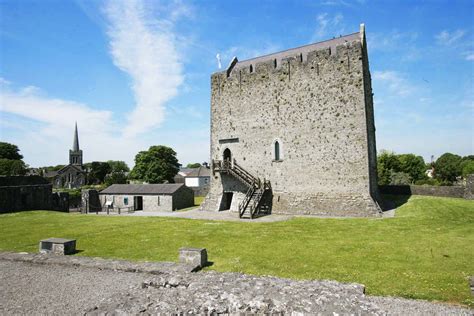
{"points": [[412, 165], [11, 163], [10, 167], [400, 178], [467, 168], [97, 172], [118, 166], [9, 151], [448, 167], [193, 165], [387, 163], [156, 165], [118, 173], [116, 178]]}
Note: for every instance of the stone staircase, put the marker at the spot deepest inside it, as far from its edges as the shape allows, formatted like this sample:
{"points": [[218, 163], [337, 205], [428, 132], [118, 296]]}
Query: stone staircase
{"points": [[249, 207]]}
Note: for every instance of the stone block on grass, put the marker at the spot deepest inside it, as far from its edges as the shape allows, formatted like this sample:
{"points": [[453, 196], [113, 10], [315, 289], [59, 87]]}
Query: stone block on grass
{"points": [[57, 246], [193, 256]]}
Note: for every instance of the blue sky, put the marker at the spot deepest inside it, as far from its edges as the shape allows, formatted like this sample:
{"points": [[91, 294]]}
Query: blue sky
{"points": [[137, 73]]}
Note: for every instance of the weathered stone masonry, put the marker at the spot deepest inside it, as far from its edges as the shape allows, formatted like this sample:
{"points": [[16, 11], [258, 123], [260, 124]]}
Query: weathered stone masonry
{"points": [[316, 102]]}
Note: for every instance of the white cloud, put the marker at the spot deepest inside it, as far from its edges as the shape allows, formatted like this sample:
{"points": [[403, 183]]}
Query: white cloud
{"points": [[469, 56], [42, 127], [45, 125], [32, 103], [328, 26], [449, 38], [394, 81], [145, 48]]}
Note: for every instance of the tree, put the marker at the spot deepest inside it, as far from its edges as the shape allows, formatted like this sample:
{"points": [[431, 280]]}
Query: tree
{"points": [[400, 178], [10, 167], [9, 151], [115, 178], [156, 165], [387, 163], [412, 165], [118, 173], [11, 163], [467, 168], [97, 172], [118, 166], [193, 165], [448, 167]]}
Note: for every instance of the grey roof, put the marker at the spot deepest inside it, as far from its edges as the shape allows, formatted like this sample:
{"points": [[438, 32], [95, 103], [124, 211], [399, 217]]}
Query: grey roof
{"points": [[186, 170], [200, 172], [50, 174], [77, 168], [168, 188]]}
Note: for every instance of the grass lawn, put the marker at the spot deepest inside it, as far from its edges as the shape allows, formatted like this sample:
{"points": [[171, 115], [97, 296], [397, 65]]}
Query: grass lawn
{"points": [[425, 252]]}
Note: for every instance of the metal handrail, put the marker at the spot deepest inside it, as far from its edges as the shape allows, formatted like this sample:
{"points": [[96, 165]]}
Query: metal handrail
{"points": [[243, 204]]}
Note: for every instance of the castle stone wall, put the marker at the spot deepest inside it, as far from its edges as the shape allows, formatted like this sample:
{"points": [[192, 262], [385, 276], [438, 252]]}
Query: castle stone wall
{"points": [[318, 106]]}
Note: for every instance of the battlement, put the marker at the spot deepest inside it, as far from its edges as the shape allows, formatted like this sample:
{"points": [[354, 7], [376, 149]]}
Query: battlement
{"points": [[308, 54]]}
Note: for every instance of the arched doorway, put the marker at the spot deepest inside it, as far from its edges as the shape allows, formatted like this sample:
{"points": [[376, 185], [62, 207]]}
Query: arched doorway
{"points": [[227, 154]]}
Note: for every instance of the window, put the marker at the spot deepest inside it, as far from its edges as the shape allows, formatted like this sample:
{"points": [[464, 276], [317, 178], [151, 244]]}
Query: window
{"points": [[277, 151], [125, 201], [251, 68], [158, 200]]}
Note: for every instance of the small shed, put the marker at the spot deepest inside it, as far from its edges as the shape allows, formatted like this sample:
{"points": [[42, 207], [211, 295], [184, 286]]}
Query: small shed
{"points": [[147, 197]]}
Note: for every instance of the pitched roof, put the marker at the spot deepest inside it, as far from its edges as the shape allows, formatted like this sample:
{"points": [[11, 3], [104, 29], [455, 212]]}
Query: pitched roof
{"points": [[77, 168], [50, 174], [167, 188], [185, 171], [200, 172]]}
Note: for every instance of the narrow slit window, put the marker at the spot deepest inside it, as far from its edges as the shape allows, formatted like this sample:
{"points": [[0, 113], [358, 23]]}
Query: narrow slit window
{"points": [[277, 150], [251, 68]]}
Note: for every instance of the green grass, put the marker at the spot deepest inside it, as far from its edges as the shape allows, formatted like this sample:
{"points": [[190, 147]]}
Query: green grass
{"points": [[425, 252]]}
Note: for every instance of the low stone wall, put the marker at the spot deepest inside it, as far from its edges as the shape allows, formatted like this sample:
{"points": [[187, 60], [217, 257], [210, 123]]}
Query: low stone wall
{"points": [[60, 201], [469, 192], [429, 190], [90, 201], [21, 193]]}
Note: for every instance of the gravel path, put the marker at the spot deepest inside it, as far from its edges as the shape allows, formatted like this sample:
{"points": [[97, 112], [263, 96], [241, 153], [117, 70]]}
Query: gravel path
{"points": [[31, 284], [205, 215]]}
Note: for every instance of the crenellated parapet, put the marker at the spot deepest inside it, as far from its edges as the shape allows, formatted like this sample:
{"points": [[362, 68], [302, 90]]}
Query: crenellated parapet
{"points": [[344, 53]]}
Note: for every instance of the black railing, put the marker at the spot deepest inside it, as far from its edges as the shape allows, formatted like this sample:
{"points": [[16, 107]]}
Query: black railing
{"points": [[256, 188]]}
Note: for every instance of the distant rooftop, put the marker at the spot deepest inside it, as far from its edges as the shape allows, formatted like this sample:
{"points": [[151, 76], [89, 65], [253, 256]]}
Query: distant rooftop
{"points": [[199, 172]]}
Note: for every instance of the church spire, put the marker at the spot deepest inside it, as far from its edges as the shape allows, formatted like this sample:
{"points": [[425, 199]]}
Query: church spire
{"points": [[75, 145], [75, 155]]}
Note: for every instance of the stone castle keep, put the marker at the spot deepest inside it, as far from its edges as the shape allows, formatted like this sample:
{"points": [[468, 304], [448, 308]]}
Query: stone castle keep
{"points": [[293, 132]]}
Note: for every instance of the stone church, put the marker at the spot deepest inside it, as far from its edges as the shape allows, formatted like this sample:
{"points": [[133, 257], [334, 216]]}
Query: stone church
{"points": [[293, 132], [73, 175]]}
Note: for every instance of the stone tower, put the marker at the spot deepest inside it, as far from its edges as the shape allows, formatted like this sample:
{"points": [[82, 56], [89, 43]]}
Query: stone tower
{"points": [[293, 132], [75, 155]]}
